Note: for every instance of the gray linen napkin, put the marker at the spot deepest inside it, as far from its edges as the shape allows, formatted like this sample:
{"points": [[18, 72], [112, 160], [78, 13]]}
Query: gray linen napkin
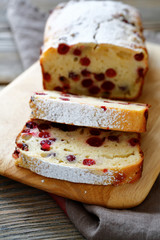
{"points": [[94, 222], [99, 223], [27, 24]]}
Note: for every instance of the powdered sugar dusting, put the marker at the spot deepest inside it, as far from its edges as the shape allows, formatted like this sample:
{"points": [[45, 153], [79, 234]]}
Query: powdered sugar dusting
{"points": [[87, 111], [68, 173], [94, 22]]}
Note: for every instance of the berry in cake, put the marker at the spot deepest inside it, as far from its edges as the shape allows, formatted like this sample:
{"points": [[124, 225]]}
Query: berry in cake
{"points": [[79, 154]]}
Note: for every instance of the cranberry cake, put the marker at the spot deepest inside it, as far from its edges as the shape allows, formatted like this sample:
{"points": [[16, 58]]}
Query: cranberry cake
{"points": [[85, 111], [94, 48], [79, 154]]}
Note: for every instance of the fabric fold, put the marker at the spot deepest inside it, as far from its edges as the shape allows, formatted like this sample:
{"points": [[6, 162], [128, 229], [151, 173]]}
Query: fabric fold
{"points": [[99, 223]]}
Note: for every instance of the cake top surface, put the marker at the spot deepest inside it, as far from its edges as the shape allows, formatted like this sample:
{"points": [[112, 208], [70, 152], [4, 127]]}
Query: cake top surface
{"points": [[96, 22]]}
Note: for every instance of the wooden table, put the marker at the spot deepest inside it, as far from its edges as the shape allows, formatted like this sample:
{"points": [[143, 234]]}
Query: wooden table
{"points": [[25, 212]]}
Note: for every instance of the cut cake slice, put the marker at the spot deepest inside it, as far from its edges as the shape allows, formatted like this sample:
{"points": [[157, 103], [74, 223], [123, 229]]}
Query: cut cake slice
{"points": [[89, 111], [79, 154]]}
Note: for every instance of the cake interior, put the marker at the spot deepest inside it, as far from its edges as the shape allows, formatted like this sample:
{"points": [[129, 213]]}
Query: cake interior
{"points": [[79, 146], [99, 70]]}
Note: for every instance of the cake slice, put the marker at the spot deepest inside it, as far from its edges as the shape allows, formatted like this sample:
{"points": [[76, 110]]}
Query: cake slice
{"points": [[94, 48], [89, 111], [79, 154]]}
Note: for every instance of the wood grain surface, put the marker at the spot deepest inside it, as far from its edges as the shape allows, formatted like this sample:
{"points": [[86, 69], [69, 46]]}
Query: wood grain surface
{"points": [[28, 213], [15, 111]]}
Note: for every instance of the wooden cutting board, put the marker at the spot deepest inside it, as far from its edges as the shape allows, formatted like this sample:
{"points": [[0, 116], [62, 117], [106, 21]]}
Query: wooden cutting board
{"points": [[14, 112]]}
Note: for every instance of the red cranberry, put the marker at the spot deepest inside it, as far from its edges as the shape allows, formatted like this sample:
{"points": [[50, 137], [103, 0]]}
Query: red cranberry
{"points": [[139, 56], [104, 108], [43, 126], [45, 147], [58, 88], [30, 134], [94, 90], [31, 125], [95, 141], [63, 48], [77, 52], [44, 134], [85, 73], [64, 99], [134, 141], [26, 131], [52, 139], [15, 154], [105, 170], [46, 77], [71, 158], [62, 78], [22, 146], [87, 82], [49, 142], [146, 114], [85, 61], [110, 72], [74, 76], [140, 72], [95, 132], [99, 76], [40, 93], [113, 138], [108, 86], [89, 162]]}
